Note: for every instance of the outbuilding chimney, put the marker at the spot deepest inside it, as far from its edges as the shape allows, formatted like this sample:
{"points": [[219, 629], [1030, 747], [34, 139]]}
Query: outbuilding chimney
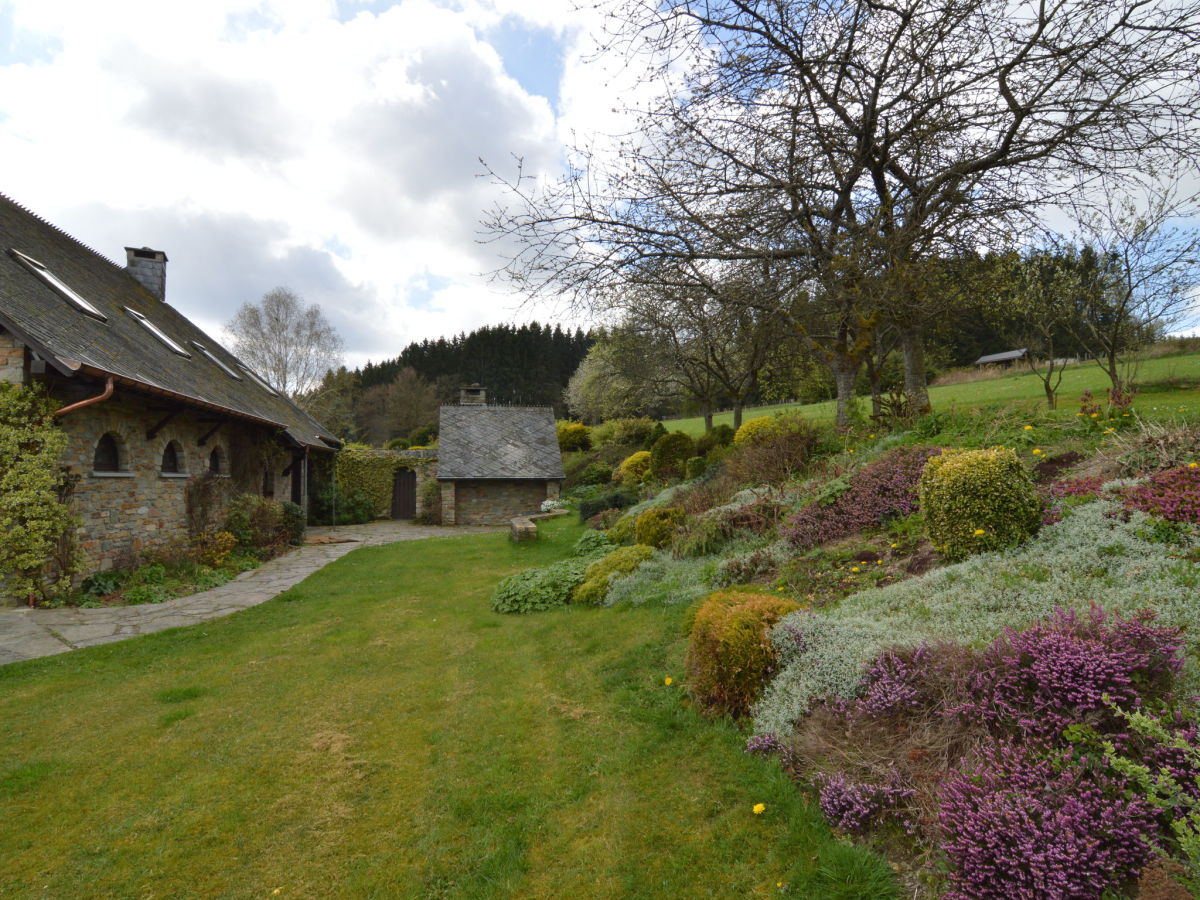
{"points": [[149, 267], [472, 396]]}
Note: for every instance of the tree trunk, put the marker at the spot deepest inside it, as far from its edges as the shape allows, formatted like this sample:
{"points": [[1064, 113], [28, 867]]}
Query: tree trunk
{"points": [[1051, 394], [875, 377], [912, 346], [845, 372], [737, 415], [706, 409]]}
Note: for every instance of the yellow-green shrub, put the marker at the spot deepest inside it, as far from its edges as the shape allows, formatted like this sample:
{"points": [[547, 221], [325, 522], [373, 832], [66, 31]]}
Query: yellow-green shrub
{"points": [[622, 530], [634, 468], [656, 526], [755, 429], [573, 436], [621, 561], [977, 500], [729, 656]]}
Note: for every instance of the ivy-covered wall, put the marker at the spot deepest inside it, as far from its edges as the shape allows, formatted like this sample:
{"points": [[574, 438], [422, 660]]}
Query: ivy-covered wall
{"points": [[372, 472]]}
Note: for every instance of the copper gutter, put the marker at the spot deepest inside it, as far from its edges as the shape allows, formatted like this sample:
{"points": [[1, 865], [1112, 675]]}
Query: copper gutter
{"points": [[99, 398]]}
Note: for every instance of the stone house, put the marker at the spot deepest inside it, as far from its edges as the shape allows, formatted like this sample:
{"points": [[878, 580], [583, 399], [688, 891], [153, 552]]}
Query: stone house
{"points": [[496, 462], [163, 423]]}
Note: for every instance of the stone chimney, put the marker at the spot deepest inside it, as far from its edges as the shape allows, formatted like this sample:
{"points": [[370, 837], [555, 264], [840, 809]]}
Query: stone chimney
{"points": [[149, 267], [472, 396]]}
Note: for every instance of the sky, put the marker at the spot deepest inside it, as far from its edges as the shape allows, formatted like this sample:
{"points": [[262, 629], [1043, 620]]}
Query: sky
{"points": [[330, 147]]}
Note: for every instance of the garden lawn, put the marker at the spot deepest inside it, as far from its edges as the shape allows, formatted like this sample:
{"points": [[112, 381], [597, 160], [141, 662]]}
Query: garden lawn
{"points": [[1170, 386], [377, 731]]}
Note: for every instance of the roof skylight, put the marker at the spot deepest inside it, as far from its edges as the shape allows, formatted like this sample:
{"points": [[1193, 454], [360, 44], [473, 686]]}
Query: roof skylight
{"points": [[158, 332], [257, 380], [57, 284], [212, 357]]}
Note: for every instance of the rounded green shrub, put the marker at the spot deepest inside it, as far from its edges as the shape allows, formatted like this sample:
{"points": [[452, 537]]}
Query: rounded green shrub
{"points": [[595, 473], [622, 432], [729, 655], [696, 466], [719, 436], [257, 523], [533, 590], [977, 500], [755, 429], [621, 561], [655, 527], [655, 433], [573, 436], [634, 467], [622, 530], [669, 455]]}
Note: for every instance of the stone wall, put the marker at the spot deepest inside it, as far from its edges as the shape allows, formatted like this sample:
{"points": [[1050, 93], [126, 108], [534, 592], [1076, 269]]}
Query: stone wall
{"points": [[486, 502], [12, 359], [139, 507]]}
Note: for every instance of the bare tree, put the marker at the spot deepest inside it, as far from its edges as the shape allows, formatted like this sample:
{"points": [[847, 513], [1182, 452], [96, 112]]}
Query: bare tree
{"points": [[852, 142], [291, 345], [1148, 278]]}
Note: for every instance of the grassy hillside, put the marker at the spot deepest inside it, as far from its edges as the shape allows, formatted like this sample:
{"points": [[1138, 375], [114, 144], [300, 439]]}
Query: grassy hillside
{"points": [[377, 731], [1168, 384]]}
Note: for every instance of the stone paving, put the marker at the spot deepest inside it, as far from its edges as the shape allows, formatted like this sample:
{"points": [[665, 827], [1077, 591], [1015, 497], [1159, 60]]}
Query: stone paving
{"points": [[30, 633]]}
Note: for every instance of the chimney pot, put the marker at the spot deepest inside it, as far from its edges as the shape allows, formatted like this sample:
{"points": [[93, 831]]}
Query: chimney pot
{"points": [[149, 267], [472, 396]]}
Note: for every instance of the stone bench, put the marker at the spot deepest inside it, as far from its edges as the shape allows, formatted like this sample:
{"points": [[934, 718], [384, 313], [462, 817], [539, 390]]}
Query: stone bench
{"points": [[524, 528]]}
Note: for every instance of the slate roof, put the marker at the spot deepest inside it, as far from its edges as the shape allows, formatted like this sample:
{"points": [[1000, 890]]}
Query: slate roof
{"points": [[75, 343], [1002, 357], [508, 442]]}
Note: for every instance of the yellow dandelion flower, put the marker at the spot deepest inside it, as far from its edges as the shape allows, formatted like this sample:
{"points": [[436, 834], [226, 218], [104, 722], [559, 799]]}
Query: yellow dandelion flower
{"points": [[668, 680], [759, 809], [779, 589], [894, 546], [879, 562], [1029, 428], [854, 568], [1037, 451], [1124, 415], [871, 436], [979, 531], [850, 451], [1193, 465], [1095, 415]]}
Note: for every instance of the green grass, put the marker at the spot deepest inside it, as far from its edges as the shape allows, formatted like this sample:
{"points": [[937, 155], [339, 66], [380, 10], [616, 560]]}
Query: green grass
{"points": [[1170, 383], [378, 732]]}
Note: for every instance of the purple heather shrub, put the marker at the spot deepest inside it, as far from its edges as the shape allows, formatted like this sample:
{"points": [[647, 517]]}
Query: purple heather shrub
{"points": [[893, 683], [1084, 486], [763, 745], [1043, 678], [1173, 495], [1018, 827], [879, 491], [855, 806]]}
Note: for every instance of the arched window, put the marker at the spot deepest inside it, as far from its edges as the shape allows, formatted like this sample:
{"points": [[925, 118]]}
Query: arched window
{"points": [[216, 462], [107, 457], [171, 462]]}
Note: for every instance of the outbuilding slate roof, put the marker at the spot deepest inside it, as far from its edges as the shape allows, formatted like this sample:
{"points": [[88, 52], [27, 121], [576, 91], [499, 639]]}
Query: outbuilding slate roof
{"points": [[75, 343], [1006, 356], [499, 442]]}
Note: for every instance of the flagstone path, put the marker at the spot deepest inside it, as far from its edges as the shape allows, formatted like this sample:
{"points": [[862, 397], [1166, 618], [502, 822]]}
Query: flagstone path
{"points": [[30, 633]]}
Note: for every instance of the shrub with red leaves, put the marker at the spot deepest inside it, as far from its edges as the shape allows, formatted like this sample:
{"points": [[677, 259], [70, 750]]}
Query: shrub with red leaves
{"points": [[1173, 495], [882, 490]]}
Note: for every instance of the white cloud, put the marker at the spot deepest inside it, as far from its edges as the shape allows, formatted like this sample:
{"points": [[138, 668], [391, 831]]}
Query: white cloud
{"points": [[266, 143]]}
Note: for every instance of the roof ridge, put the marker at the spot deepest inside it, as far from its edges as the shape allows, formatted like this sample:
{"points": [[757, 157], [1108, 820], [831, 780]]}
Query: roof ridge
{"points": [[92, 250]]}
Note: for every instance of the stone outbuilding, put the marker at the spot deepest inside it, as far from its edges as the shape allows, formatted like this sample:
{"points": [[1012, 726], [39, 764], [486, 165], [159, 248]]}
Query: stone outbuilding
{"points": [[163, 423], [496, 462]]}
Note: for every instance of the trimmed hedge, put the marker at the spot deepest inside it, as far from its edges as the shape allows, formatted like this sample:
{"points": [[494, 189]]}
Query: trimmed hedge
{"points": [[669, 455], [978, 500], [729, 655], [755, 429], [656, 526], [621, 561], [634, 468], [370, 472]]}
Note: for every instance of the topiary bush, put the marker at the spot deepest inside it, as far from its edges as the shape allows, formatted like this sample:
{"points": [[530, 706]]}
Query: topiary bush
{"points": [[729, 655], [573, 436], [655, 527], [634, 468], [622, 432], [669, 455], [755, 429], [621, 561], [695, 468], [882, 490], [719, 436], [533, 590], [978, 500]]}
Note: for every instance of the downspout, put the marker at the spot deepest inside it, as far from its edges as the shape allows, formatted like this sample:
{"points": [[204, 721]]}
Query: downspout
{"points": [[99, 398]]}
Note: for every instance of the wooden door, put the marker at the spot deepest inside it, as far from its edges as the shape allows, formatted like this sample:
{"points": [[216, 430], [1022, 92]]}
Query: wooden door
{"points": [[404, 494]]}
